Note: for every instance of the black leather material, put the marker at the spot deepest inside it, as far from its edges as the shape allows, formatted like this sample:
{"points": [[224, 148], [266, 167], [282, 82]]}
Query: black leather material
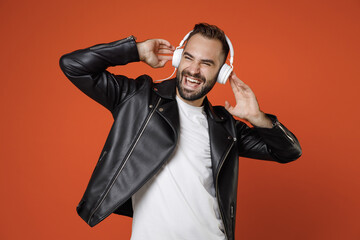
{"points": [[145, 132]]}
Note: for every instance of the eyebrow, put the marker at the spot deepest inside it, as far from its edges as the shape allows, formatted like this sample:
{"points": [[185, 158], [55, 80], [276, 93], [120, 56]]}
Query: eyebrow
{"points": [[202, 60]]}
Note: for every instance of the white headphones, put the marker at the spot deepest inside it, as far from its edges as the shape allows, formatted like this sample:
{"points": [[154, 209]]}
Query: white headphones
{"points": [[225, 69]]}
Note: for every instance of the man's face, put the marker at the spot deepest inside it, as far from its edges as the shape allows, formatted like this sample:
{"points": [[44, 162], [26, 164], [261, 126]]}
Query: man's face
{"points": [[199, 67]]}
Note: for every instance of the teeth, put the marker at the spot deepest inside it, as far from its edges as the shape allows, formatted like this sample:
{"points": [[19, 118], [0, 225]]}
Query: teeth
{"points": [[193, 80]]}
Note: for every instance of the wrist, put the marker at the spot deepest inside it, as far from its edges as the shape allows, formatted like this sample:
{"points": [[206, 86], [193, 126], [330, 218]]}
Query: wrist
{"points": [[260, 120], [140, 48]]}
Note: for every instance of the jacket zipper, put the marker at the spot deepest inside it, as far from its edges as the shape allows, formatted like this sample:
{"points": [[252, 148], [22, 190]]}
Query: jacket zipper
{"points": [[100, 46], [126, 159], [217, 188]]}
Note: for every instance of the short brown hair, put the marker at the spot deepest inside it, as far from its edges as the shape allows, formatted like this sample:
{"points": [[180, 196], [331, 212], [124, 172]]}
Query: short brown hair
{"points": [[211, 32]]}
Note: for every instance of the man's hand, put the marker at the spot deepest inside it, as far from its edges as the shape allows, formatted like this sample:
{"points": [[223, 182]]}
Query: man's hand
{"points": [[246, 106], [155, 52]]}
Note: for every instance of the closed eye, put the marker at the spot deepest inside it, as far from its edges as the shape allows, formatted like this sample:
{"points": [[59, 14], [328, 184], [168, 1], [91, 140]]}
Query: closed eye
{"points": [[206, 62], [188, 56]]}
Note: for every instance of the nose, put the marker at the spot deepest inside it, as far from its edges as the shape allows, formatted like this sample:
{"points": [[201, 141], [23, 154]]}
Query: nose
{"points": [[194, 68]]}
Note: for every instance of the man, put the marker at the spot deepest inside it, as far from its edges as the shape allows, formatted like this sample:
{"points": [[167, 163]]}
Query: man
{"points": [[171, 159]]}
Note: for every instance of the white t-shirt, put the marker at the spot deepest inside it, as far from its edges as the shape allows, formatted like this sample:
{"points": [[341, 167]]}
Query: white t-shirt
{"points": [[179, 201]]}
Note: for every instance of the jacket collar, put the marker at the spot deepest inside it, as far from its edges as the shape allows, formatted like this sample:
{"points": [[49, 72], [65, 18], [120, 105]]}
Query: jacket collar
{"points": [[167, 89]]}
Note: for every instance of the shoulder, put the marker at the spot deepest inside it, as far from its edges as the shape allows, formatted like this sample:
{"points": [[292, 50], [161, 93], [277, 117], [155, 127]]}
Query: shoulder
{"points": [[132, 85]]}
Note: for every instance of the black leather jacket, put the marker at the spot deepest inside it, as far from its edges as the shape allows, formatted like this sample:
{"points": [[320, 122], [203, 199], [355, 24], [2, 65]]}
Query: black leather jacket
{"points": [[145, 132]]}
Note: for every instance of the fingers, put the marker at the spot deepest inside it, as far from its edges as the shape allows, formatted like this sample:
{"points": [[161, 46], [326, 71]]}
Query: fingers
{"points": [[165, 44], [237, 83], [165, 51], [162, 60], [228, 107], [164, 57], [164, 47], [236, 80], [233, 85]]}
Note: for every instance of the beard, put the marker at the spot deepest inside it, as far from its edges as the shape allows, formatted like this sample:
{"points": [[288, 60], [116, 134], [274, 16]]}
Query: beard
{"points": [[193, 95]]}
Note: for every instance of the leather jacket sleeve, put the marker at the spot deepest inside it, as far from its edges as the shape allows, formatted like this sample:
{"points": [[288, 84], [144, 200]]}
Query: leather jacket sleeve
{"points": [[276, 143], [86, 69]]}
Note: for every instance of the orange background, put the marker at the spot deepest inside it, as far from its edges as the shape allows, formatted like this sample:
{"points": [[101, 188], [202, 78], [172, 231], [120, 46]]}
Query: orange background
{"points": [[301, 58]]}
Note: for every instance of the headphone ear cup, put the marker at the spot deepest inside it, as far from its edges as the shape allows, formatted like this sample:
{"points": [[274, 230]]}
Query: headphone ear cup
{"points": [[224, 73], [177, 57]]}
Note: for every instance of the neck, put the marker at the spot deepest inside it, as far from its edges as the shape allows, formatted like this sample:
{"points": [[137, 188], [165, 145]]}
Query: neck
{"points": [[195, 103]]}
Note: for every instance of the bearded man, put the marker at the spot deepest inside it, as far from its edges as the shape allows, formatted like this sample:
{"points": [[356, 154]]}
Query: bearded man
{"points": [[171, 158]]}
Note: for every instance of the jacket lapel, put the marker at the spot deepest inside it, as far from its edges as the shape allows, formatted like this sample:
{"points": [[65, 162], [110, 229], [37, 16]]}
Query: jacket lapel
{"points": [[169, 111], [168, 108], [220, 139]]}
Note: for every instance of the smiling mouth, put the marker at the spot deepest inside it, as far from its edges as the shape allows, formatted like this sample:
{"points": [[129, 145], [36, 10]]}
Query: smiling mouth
{"points": [[192, 82]]}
